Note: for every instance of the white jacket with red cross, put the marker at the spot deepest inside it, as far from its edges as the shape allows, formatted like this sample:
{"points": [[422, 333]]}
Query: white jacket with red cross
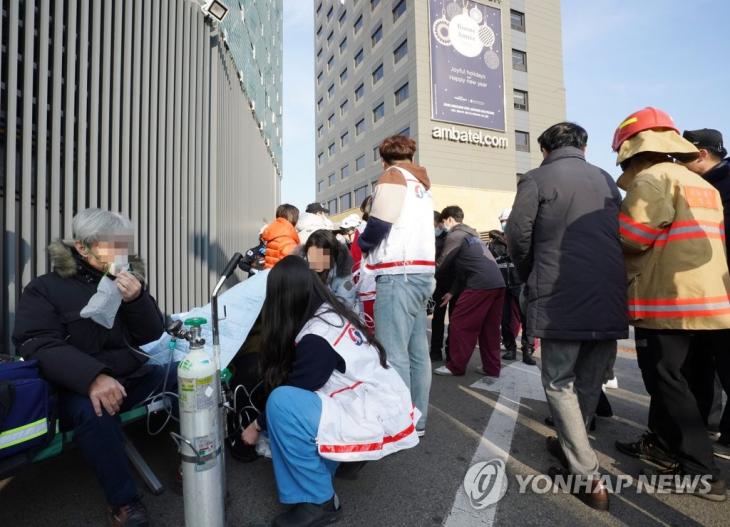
{"points": [[367, 411]]}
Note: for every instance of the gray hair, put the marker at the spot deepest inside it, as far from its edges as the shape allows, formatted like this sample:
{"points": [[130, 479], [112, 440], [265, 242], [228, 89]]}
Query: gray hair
{"points": [[94, 225]]}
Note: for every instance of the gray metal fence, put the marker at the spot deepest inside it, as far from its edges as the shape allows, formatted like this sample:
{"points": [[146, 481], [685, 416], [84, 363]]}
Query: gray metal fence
{"points": [[134, 106]]}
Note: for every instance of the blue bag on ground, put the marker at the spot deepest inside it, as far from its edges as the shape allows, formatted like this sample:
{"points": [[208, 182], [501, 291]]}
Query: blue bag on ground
{"points": [[27, 408]]}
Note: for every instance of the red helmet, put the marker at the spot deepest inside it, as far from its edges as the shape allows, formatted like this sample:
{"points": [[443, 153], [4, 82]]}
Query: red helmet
{"points": [[647, 119]]}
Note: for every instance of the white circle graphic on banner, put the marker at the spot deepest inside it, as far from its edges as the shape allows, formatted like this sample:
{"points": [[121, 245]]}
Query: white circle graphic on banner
{"points": [[476, 14], [487, 36], [452, 10], [464, 34], [491, 59]]}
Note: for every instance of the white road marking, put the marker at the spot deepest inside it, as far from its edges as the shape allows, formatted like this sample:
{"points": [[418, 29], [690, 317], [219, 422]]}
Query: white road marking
{"points": [[516, 381]]}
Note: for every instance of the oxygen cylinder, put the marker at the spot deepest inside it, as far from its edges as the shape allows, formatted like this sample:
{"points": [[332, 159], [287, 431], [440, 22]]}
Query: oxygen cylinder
{"points": [[200, 427]]}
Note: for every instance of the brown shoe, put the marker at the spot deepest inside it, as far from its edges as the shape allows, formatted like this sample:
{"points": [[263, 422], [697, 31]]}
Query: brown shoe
{"points": [[596, 498], [132, 515]]}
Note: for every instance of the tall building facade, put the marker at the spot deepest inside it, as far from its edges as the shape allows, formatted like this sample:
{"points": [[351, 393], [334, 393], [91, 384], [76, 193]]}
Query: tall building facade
{"points": [[146, 107], [473, 82]]}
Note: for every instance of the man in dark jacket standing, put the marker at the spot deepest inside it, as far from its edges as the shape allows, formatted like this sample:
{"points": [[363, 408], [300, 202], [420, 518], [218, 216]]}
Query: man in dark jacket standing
{"points": [[714, 167], [89, 354], [479, 285], [563, 236]]}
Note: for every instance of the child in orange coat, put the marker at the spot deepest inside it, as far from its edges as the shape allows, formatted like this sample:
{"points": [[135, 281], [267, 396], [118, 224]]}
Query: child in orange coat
{"points": [[281, 236]]}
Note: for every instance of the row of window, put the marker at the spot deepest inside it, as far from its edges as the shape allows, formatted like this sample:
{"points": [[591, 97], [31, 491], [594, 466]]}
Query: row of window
{"points": [[400, 95], [376, 36], [349, 199]]}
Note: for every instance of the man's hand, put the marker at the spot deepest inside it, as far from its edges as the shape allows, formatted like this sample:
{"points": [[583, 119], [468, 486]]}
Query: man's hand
{"points": [[251, 434], [106, 391], [446, 299], [129, 286]]}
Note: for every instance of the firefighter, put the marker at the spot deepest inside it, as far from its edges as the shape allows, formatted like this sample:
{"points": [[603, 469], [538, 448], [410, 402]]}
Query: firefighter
{"points": [[512, 314], [671, 226]]}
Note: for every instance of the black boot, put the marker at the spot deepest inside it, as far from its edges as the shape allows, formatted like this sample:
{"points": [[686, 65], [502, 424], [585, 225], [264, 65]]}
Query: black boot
{"points": [[310, 515], [511, 354], [527, 355]]}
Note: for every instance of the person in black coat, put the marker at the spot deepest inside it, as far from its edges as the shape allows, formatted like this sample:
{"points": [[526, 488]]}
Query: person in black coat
{"points": [[563, 236], [714, 167], [95, 363]]}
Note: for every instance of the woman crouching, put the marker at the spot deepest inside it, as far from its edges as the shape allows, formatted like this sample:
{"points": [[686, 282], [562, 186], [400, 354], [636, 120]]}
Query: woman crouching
{"points": [[333, 397]]}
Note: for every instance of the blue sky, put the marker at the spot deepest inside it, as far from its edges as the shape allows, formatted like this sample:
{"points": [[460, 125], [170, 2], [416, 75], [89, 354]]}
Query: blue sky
{"points": [[619, 56]]}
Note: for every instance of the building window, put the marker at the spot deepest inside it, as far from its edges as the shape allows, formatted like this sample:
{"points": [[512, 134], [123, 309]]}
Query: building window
{"points": [[330, 120], [374, 184], [320, 158], [343, 76], [319, 77], [329, 13], [519, 60], [522, 141], [319, 54], [332, 206], [319, 7], [378, 112], [342, 18], [405, 132], [377, 74], [320, 130], [330, 63], [360, 127], [345, 172], [377, 35], [358, 24], [361, 193], [400, 52], [330, 37], [376, 153], [360, 163], [331, 90], [401, 94], [320, 185], [374, 4], [359, 56], [346, 201], [344, 139], [319, 103], [399, 9], [343, 45], [319, 30], [344, 106], [360, 91], [520, 100], [331, 180], [518, 20], [331, 149]]}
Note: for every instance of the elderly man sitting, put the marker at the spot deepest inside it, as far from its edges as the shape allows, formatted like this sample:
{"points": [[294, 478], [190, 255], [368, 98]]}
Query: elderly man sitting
{"points": [[82, 323]]}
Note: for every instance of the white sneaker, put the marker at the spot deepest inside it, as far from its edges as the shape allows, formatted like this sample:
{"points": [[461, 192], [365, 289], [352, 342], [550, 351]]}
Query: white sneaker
{"points": [[421, 433], [721, 450], [442, 370], [611, 384]]}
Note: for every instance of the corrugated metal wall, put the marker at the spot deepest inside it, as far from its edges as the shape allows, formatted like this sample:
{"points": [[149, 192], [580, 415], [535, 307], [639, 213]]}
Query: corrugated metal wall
{"points": [[135, 106]]}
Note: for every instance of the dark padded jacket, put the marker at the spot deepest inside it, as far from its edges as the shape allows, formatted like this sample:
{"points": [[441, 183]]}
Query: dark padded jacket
{"points": [[563, 237], [719, 177], [72, 350]]}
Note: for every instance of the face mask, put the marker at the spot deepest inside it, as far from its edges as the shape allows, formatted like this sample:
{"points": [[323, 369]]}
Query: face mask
{"points": [[504, 225], [121, 263], [103, 306]]}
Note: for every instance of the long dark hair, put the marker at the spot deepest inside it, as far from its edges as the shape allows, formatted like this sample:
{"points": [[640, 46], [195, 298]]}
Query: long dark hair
{"points": [[293, 296], [340, 258]]}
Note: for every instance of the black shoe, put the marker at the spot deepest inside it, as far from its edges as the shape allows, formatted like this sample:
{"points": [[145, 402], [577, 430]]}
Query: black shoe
{"points": [[240, 450], [436, 357], [310, 514], [555, 450], [510, 355], [551, 423], [604, 406], [680, 482], [132, 515], [527, 357], [649, 449], [349, 471]]}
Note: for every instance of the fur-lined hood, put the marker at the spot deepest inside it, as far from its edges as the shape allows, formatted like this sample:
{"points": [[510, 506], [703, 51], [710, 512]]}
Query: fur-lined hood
{"points": [[65, 261]]}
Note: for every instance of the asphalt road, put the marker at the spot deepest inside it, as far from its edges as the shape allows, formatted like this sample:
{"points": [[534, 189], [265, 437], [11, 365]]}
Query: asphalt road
{"points": [[412, 488]]}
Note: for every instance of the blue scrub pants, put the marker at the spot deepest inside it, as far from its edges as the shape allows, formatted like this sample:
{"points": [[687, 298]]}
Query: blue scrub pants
{"points": [[302, 475]]}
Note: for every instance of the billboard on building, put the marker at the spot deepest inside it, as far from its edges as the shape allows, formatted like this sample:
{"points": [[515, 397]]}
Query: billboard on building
{"points": [[467, 82]]}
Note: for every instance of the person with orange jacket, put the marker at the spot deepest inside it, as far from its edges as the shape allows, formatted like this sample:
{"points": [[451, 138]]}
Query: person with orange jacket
{"points": [[281, 237]]}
